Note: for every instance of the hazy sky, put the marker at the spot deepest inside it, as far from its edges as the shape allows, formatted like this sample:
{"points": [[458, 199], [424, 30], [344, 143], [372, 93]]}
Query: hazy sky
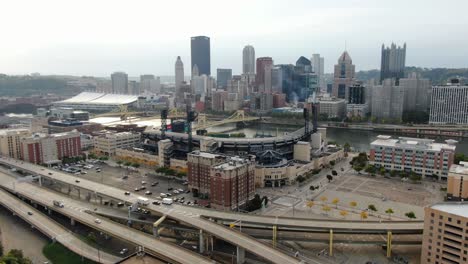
{"points": [[97, 37]]}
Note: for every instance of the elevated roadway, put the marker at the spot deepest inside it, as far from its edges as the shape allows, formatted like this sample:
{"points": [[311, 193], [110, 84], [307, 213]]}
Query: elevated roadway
{"points": [[183, 214], [53, 230], [162, 249]]}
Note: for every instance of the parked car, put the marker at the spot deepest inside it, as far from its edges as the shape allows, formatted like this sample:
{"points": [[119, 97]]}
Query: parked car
{"points": [[148, 193], [127, 193], [97, 221]]}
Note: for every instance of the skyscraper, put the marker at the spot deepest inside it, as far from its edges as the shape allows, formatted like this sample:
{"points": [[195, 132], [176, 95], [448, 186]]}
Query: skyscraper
{"points": [[222, 78], [200, 50], [119, 83], [179, 74], [417, 91], [318, 67], [343, 76], [393, 62], [387, 101], [248, 59], [263, 64]]}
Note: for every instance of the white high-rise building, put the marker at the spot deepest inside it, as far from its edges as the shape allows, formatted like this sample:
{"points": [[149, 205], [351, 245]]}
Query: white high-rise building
{"points": [[449, 104], [318, 67], [179, 74], [248, 59]]}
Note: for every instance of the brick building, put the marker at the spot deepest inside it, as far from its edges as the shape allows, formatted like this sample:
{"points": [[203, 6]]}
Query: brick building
{"points": [[445, 234], [423, 156], [232, 183], [227, 182], [52, 148]]}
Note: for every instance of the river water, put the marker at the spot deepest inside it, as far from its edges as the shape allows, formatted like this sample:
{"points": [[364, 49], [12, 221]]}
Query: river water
{"points": [[358, 139]]}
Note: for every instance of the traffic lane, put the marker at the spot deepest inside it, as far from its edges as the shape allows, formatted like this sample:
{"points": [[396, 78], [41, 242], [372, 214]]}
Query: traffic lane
{"points": [[77, 212], [55, 230]]}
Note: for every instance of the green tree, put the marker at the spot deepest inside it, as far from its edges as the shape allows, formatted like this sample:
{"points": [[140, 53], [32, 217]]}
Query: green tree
{"points": [[332, 163], [329, 178], [334, 173], [312, 188], [127, 163], [389, 211], [358, 168], [410, 215], [372, 207], [119, 162], [300, 179], [370, 169], [15, 256], [414, 177], [346, 147], [382, 171]]}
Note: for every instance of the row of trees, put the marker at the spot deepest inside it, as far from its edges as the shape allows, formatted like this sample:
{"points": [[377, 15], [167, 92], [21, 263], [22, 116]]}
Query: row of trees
{"points": [[372, 170], [129, 164], [171, 172], [354, 204]]}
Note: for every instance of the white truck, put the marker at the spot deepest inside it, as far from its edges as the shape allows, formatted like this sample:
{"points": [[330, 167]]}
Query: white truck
{"points": [[167, 201], [143, 201]]}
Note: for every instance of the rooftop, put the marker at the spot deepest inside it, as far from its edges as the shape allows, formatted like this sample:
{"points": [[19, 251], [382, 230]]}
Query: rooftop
{"points": [[455, 208], [414, 143], [462, 168], [99, 99], [12, 130]]}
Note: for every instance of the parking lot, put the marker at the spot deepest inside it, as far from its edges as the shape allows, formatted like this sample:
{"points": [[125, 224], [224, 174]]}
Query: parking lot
{"points": [[142, 181]]}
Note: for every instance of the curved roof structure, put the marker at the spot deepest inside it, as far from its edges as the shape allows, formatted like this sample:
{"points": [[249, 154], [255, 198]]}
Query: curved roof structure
{"points": [[90, 100]]}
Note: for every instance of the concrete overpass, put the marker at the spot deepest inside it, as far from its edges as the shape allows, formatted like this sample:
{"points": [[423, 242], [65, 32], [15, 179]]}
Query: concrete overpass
{"points": [[204, 219], [43, 197], [53, 230], [181, 214]]}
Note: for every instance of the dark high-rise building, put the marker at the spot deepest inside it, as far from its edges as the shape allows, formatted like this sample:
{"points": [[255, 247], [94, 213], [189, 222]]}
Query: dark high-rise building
{"points": [[263, 64], [356, 94], [393, 62], [200, 54], [222, 78], [286, 76]]}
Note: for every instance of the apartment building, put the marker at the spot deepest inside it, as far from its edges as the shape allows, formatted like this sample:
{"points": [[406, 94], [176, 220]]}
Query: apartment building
{"points": [[423, 156], [445, 237], [232, 183], [227, 182], [10, 141], [457, 183], [199, 172], [108, 142], [51, 148]]}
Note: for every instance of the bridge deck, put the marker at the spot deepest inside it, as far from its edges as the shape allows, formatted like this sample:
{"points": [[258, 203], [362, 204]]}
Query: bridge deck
{"points": [[54, 230]]}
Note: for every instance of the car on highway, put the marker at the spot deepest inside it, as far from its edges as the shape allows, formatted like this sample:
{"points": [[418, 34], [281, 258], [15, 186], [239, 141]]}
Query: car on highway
{"points": [[163, 195], [120, 204], [30, 213], [175, 192], [97, 221], [77, 181], [136, 189], [127, 193], [156, 203], [154, 184], [50, 173], [143, 188], [123, 251], [143, 182], [148, 193]]}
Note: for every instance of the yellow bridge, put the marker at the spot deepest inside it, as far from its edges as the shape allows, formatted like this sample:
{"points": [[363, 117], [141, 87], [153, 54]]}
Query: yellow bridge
{"points": [[238, 116], [201, 122]]}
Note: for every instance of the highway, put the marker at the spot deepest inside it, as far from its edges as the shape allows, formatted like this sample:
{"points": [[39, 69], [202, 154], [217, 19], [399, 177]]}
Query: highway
{"points": [[194, 216], [54, 230], [160, 248], [185, 214]]}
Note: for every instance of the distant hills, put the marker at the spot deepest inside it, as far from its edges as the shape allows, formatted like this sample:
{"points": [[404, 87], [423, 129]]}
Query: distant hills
{"points": [[436, 75]]}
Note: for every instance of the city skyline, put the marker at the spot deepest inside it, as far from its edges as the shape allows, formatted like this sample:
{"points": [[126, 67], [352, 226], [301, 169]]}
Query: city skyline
{"points": [[104, 43]]}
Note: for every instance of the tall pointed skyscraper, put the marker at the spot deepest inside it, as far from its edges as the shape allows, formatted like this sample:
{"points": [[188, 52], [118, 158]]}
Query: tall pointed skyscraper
{"points": [[248, 59], [343, 76], [179, 74]]}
